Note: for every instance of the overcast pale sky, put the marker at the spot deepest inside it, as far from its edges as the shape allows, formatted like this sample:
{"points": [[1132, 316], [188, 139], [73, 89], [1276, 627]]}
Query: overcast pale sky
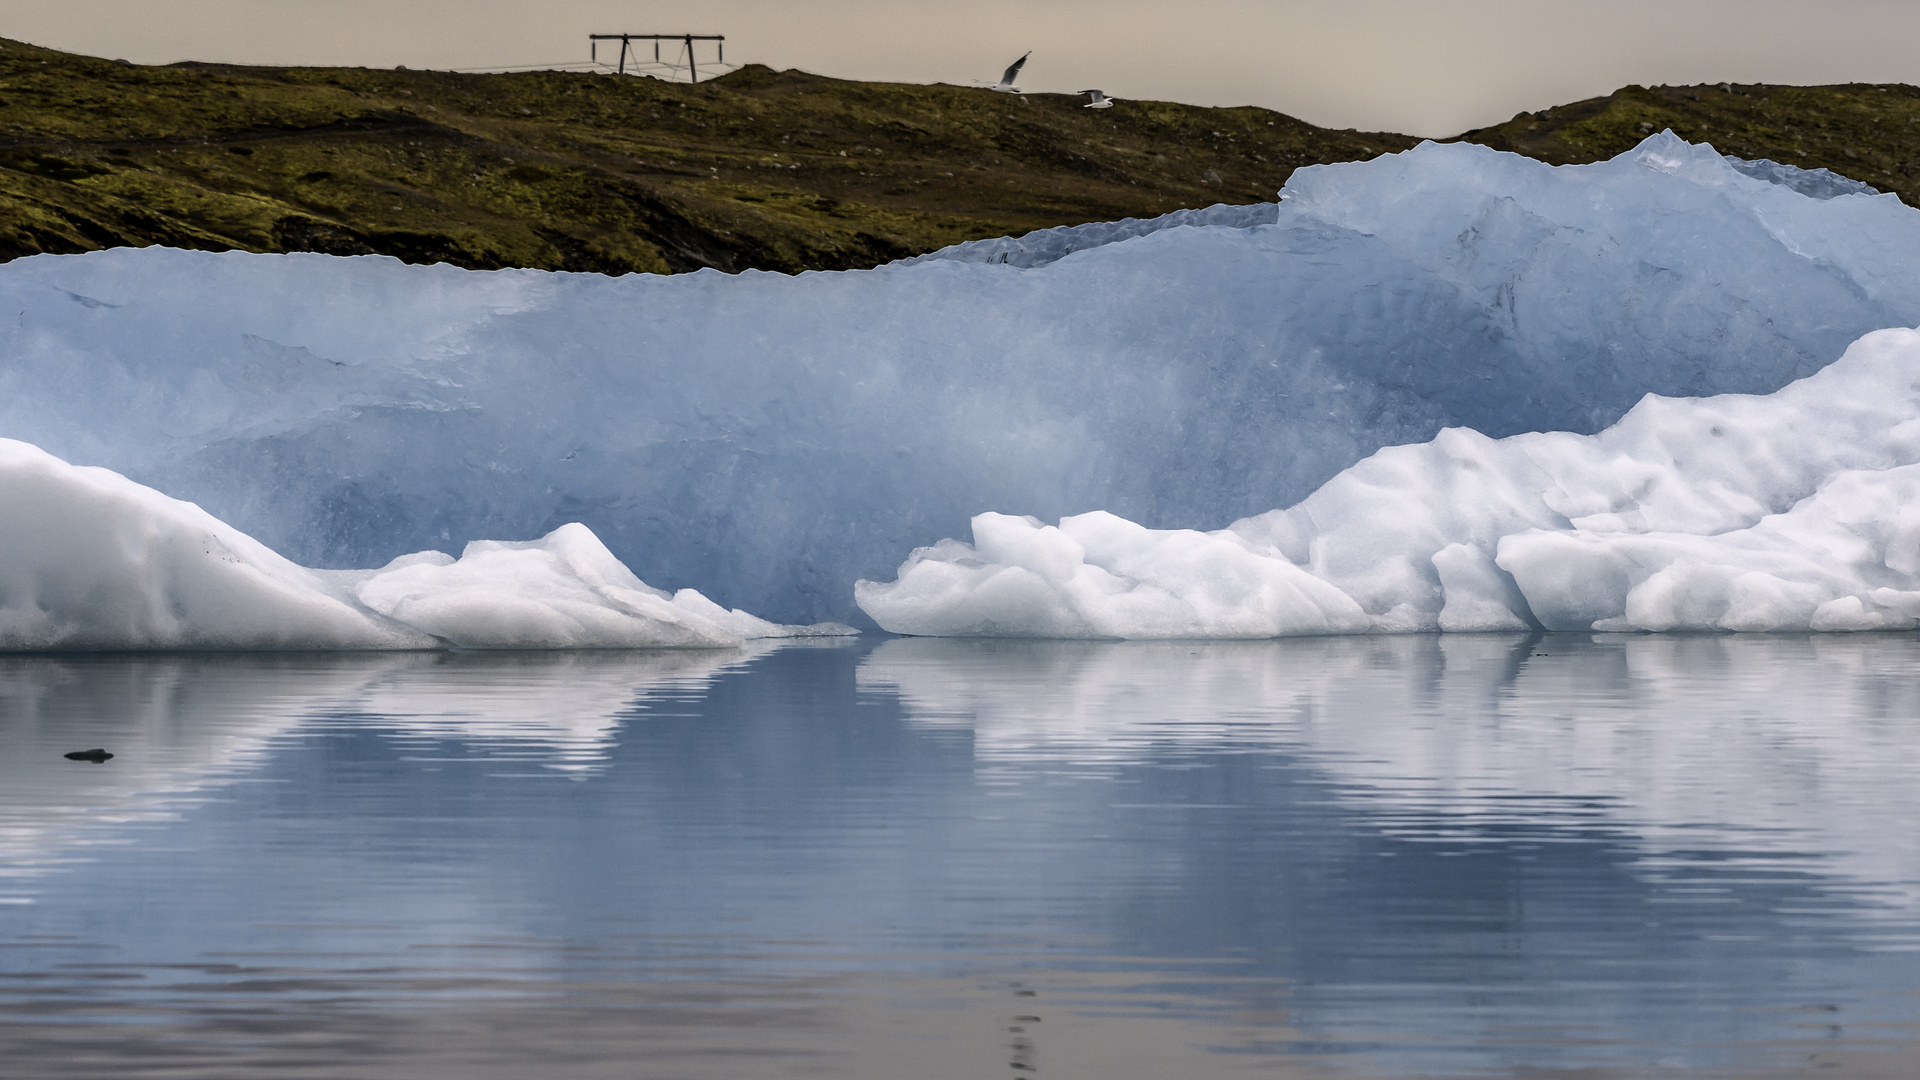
{"points": [[1427, 68]]}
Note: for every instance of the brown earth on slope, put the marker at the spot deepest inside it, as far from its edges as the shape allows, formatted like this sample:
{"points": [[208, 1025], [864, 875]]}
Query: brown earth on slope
{"points": [[757, 169], [774, 170]]}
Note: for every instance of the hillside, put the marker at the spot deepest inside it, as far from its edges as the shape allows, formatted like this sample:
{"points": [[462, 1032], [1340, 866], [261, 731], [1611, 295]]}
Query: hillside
{"points": [[777, 170], [774, 170], [1866, 132]]}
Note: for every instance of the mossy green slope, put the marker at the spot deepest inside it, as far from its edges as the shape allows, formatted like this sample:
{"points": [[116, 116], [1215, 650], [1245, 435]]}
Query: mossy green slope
{"points": [[1860, 130], [775, 170]]}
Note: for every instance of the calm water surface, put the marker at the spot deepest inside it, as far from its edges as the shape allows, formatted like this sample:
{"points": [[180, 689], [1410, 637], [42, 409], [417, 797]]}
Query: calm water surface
{"points": [[1562, 856]]}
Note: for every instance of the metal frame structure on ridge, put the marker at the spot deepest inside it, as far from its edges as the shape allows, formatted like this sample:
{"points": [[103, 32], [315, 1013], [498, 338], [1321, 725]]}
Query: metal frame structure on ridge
{"points": [[626, 46]]}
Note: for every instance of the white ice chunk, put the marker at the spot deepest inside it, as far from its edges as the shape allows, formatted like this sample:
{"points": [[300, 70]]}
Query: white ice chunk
{"points": [[1101, 576], [1826, 564], [1797, 510], [563, 591], [92, 560]]}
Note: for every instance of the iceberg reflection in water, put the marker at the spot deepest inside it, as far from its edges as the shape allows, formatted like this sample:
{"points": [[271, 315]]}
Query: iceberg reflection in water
{"points": [[1412, 855], [1788, 744], [183, 726]]}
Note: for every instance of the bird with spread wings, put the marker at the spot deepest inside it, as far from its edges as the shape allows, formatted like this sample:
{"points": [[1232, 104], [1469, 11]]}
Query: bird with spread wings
{"points": [[1005, 85]]}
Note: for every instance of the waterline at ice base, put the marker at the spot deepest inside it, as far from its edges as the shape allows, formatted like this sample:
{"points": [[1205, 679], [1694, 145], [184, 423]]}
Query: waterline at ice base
{"points": [[770, 440]]}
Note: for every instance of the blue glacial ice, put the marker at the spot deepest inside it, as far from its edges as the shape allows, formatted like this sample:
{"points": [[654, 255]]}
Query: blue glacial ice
{"points": [[769, 440]]}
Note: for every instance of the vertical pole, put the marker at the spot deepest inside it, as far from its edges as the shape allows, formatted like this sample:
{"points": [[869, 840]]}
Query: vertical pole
{"points": [[693, 73], [623, 54], [722, 46]]}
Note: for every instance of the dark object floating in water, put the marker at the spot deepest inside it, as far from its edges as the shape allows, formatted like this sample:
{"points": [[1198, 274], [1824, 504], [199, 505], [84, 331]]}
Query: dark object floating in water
{"points": [[95, 755]]}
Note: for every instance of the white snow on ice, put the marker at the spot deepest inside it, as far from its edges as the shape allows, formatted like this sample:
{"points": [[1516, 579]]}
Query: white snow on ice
{"points": [[92, 560], [1794, 511], [771, 439]]}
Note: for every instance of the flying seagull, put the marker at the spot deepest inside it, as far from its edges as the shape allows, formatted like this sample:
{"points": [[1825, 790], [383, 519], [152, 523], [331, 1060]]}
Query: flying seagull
{"points": [[1100, 100], [1005, 85]]}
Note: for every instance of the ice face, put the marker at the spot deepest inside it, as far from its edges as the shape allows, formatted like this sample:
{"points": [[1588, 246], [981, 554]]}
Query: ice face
{"points": [[96, 561], [1798, 510], [768, 440]]}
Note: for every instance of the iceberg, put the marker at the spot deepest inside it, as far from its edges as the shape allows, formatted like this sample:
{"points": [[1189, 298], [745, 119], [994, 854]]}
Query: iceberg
{"points": [[92, 560], [769, 440], [1792, 511]]}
